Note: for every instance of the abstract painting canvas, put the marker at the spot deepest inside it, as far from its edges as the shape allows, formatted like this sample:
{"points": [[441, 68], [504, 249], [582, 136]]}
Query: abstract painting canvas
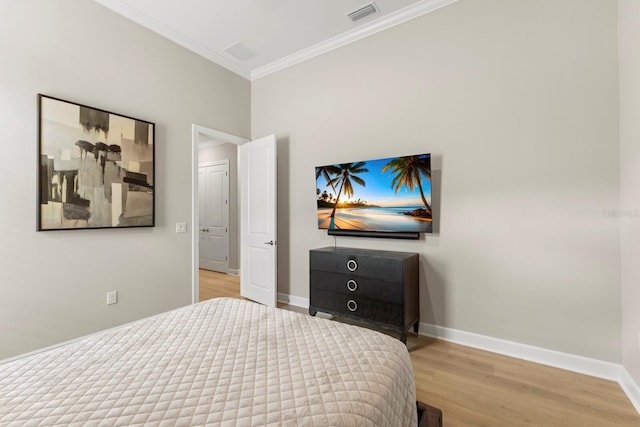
{"points": [[96, 168]]}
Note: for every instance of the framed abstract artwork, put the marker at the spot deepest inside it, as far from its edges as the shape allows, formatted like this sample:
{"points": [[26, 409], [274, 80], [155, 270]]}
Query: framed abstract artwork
{"points": [[96, 168]]}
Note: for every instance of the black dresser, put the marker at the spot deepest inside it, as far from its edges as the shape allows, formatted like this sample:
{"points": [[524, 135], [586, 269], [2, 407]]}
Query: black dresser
{"points": [[376, 287]]}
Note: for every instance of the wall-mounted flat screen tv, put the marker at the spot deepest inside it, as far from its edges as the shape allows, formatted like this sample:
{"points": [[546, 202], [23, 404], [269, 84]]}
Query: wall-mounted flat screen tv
{"points": [[380, 198]]}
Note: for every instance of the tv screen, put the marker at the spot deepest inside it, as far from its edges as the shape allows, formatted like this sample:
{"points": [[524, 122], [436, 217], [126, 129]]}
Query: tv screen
{"points": [[391, 195]]}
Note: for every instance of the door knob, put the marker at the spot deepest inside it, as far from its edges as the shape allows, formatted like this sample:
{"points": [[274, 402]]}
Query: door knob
{"points": [[270, 242]]}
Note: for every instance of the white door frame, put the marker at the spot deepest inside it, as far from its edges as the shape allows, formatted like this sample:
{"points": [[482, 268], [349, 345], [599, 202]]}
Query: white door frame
{"points": [[201, 135]]}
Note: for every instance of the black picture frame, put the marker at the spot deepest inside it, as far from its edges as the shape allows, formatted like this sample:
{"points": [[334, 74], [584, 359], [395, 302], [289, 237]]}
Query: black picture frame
{"points": [[96, 168]]}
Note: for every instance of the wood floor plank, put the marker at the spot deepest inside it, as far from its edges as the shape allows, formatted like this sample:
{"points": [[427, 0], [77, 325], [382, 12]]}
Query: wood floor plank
{"points": [[478, 388], [214, 284]]}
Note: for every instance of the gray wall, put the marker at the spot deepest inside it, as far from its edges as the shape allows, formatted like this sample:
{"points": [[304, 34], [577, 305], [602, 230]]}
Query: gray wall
{"points": [[629, 33], [230, 152], [517, 101], [53, 284]]}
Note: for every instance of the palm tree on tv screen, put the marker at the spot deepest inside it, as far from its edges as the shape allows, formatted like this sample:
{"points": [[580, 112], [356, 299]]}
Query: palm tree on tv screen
{"points": [[409, 171], [347, 173], [327, 172]]}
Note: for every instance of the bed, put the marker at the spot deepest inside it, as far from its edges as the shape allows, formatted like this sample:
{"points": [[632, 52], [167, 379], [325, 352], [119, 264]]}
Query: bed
{"points": [[225, 362]]}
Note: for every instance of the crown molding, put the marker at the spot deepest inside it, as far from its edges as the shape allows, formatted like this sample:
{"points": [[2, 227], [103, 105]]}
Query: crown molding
{"points": [[126, 10], [375, 26], [408, 13]]}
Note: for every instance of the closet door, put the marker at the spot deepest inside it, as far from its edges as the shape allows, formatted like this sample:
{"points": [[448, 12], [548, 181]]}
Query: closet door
{"points": [[213, 188]]}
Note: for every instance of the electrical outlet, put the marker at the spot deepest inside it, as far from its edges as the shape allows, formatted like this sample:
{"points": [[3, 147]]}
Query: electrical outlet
{"points": [[112, 297], [181, 227]]}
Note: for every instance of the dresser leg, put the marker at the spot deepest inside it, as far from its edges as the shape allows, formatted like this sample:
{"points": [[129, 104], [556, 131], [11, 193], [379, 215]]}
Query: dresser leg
{"points": [[312, 312], [416, 326]]}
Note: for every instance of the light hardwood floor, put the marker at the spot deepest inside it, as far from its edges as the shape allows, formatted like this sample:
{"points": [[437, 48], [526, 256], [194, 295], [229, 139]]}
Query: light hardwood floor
{"points": [[479, 388], [214, 285]]}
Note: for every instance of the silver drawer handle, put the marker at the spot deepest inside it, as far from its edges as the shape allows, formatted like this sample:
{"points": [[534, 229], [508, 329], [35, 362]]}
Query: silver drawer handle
{"points": [[352, 305], [352, 285], [352, 265]]}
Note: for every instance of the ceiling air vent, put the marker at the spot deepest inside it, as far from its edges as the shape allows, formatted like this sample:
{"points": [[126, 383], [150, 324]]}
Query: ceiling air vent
{"points": [[363, 12], [240, 51]]}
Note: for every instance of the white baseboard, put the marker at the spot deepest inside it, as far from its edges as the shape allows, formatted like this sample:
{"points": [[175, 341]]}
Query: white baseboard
{"points": [[233, 271], [570, 362], [630, 388], [293, 300]]}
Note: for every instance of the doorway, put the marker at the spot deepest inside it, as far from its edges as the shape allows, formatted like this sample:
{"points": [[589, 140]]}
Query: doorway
{"points": [[205, 142]]}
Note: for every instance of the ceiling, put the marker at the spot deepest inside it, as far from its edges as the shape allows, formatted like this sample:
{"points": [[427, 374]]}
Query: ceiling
{"points": [[269, 34]]}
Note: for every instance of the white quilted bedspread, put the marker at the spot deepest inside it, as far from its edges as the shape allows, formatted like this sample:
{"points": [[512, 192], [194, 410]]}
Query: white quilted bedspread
{"points": [[222, 362]]}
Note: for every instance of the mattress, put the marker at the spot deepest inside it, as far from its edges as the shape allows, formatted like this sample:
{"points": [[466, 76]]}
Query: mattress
{"points": [[226, 362]]}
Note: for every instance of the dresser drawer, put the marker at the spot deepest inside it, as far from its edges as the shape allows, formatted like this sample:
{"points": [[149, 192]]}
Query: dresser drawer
{"points": [[365, 308], [350, 284], [359, 263]]}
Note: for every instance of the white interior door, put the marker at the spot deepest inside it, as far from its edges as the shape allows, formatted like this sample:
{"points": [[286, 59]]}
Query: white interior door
{"points": [[213, 206], [258, 250]]}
